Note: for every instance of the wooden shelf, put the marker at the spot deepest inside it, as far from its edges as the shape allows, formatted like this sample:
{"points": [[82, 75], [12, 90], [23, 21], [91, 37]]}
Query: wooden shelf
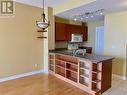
{"points": [[72, 63], [72, 70], [41, 30], [82, 73], [84, 68], [73, 79], [86, 84], [42, 37], [60, 60], [96, 81], [52, 64], [85, 76], [60, 66], [51, 59], [96, 71], [96, 90], [62, 74]]}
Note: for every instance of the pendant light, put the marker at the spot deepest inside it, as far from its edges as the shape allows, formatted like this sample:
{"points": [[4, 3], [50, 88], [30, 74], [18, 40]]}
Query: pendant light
{"points": [[43, 24]]}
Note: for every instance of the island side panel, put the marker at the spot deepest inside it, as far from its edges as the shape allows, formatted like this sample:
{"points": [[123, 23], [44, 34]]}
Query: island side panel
{"points": [[106, 75]]}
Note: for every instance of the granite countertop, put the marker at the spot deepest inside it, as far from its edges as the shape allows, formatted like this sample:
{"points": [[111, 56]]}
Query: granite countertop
{"points": [[92, 57]]}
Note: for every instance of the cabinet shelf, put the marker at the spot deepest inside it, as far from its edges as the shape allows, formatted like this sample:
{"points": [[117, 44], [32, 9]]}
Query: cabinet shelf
{"points": [[41, 30], [96, 71], [42, 37], [51, 64], [86, 84], [85, 76], [96, 81], [72, 78], [72, 63], [51, 59], [72, 70], [96, 90], [84, 68], [62, 74], [60, 66]]}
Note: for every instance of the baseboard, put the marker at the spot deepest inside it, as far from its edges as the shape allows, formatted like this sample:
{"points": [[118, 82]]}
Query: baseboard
{"points": [[21, 75], [118, 76]]}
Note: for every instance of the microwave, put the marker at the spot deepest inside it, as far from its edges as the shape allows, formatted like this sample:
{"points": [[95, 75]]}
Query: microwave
{"points": [[77, 38]]}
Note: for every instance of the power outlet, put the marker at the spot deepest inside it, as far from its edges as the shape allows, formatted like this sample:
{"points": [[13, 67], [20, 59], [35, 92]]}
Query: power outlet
{"points": [[35, 65]]}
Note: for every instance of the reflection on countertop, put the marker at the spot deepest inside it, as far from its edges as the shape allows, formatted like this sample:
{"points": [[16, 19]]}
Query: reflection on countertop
{"points": [[92, 57]]}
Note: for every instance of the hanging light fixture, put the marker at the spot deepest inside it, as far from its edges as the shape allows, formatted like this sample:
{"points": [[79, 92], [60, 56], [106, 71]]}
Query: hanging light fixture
{"points": [[43, 24]]}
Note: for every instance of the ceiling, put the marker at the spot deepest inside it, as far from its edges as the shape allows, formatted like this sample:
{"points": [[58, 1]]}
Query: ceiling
{"points": [[39, 3], [110, 6]]}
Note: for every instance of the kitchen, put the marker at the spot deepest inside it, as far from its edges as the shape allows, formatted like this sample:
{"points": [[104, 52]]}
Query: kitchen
{"points": [[63, 61], [82, 51]]}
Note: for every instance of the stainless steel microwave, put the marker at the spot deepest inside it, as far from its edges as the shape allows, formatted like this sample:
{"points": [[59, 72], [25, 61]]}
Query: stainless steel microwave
{"points": [[77, 38]]}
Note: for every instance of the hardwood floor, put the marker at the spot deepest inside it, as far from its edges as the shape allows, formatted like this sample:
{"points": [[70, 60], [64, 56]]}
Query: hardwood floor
{"points": [[39, 84]]}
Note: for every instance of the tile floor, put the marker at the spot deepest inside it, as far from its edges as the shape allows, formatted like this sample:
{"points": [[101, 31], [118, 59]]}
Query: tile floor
{"points": [[119, 87]]}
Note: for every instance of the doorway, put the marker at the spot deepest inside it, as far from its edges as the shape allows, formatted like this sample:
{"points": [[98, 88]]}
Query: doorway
{"points": [[99, 41]]}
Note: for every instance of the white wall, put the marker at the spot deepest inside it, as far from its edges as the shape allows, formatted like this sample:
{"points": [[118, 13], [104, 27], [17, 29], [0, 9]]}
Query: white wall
{"points": [[115, 41], [92, 33]]}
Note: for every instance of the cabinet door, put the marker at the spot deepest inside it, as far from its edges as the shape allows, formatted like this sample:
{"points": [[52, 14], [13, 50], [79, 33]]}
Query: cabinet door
{"points": [[85, 33], [69, 29], [60, 32]]}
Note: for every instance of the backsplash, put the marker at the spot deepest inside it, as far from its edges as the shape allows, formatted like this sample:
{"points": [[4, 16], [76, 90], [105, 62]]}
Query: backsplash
{"points": [[61, 45]]}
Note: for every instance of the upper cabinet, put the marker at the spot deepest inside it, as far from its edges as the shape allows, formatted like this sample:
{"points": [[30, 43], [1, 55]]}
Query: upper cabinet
{"points": [[60, 32], [64, 31]]}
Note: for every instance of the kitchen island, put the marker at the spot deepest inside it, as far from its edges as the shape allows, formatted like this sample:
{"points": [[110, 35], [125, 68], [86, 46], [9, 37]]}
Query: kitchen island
{"points": [[89, 72]]}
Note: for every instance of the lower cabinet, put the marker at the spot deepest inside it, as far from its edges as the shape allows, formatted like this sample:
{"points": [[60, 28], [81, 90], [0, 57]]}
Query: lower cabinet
{"points": [[81, 73]]}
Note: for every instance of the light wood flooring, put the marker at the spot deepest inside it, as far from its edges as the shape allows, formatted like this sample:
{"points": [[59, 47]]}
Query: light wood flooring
{"points": [[40, 84]]}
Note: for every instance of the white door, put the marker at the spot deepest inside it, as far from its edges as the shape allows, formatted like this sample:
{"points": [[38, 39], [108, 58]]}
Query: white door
{"points": [[99, 44]]}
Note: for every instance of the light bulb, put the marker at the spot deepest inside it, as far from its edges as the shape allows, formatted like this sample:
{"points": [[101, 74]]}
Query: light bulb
{"points": [[87, 17], [101, 13], [92, 16], [75, 19], [81, 18]]}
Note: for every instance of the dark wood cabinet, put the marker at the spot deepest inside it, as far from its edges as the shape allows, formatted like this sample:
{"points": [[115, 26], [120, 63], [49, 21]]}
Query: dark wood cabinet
{"points": [[60, 34], [65, 31]]}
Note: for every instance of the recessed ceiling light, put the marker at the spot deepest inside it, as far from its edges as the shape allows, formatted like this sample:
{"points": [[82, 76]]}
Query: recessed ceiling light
{"points": [[75, 19], [92, 16], [81, 18], [101, 13]]}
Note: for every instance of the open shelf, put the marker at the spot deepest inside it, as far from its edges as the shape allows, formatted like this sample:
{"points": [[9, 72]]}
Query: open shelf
{"points": [[84, 68], [60, 63], [96, 81], [71, 67], [84, 81], [51, 67], [72, 63], [51, 62], [96, 67], [85, 76], [84, 65], [96, 87], [60, 66], [96, 90], [96, 72], [41, 30], [96, 77], [51, 56], [42, 37], [71, 75], [60, 71]]}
